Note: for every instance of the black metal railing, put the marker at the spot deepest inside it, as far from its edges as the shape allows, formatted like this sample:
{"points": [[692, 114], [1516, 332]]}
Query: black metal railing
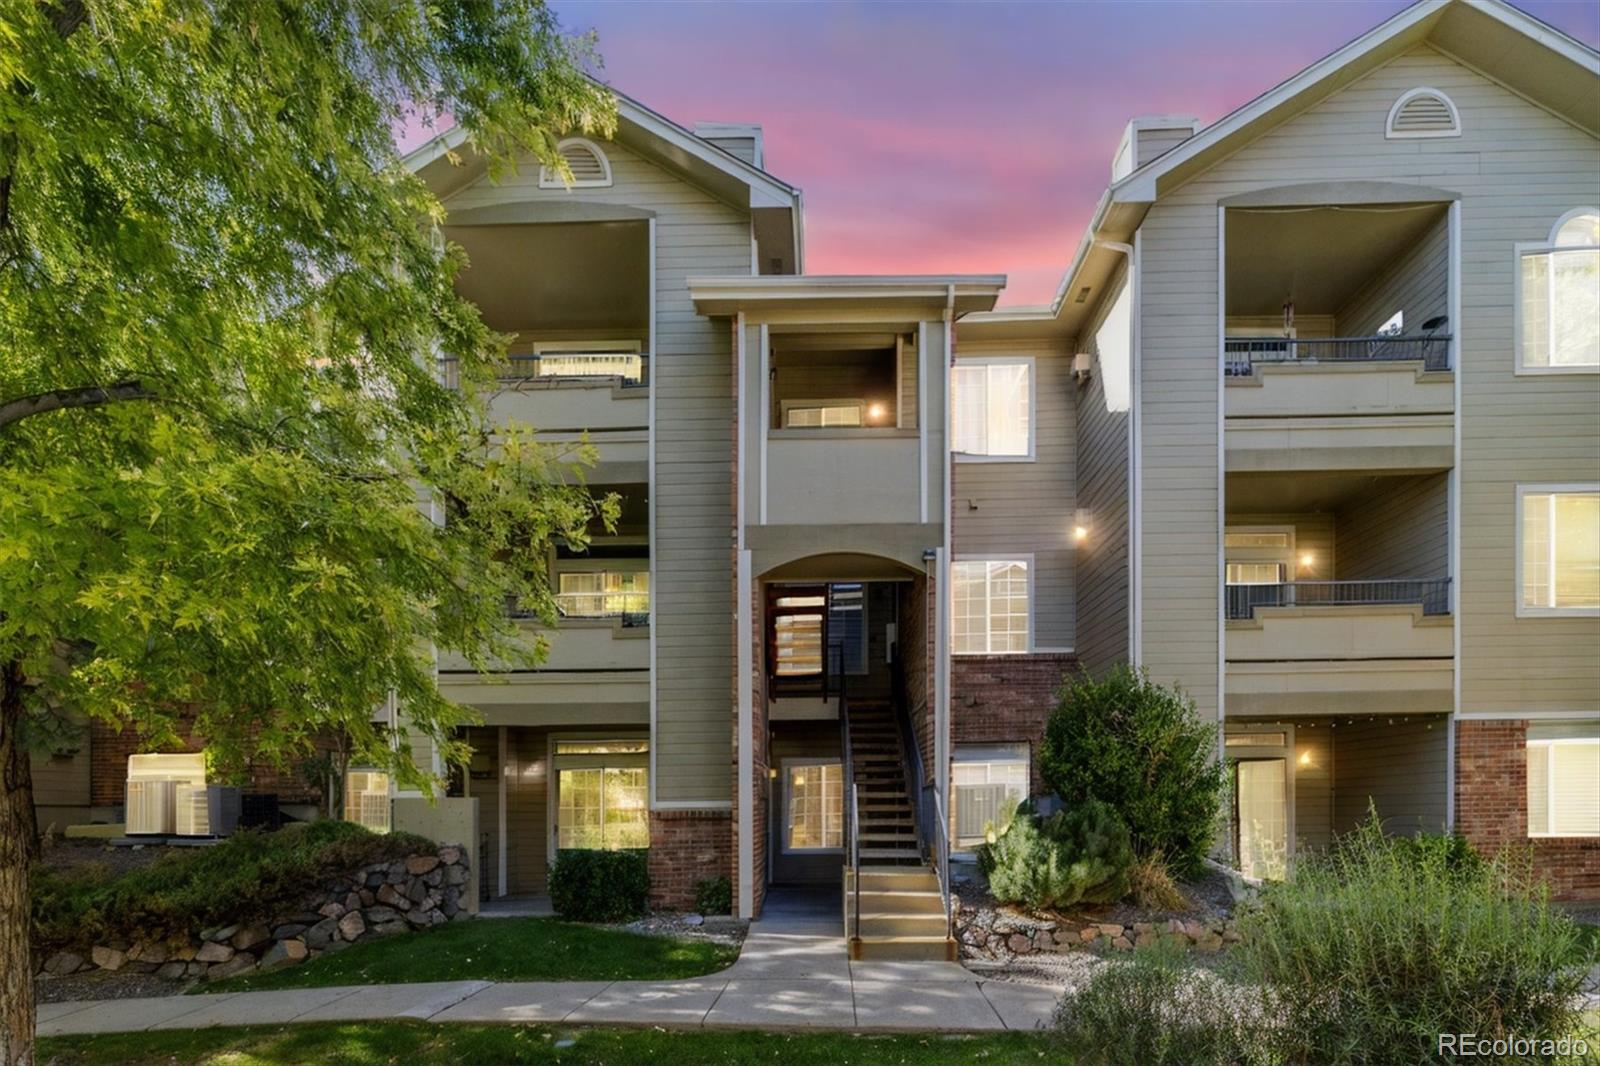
{"points": [[630, 612], [1432, 595], [521, 369], [852, 816], [1241, 355]]}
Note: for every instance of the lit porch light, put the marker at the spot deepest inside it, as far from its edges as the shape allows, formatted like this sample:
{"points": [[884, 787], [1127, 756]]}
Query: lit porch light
{"points": [[876, 412]]}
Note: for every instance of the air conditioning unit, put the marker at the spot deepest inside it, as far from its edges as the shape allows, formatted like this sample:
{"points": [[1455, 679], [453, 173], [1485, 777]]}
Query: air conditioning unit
{"points": [[192, 811], [150, 806]]}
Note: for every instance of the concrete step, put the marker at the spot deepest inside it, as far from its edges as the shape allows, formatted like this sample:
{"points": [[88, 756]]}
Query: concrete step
{"points": [[878, 926], [902, 901], [904, 948], [891, 853]]}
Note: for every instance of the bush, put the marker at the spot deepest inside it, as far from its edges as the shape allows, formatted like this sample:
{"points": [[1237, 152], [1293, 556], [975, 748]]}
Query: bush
{"points": [[1150, 884], [600, 886], [1142, 748], [1374, 949], [1074, 857], [248, 876], [714, 895]]}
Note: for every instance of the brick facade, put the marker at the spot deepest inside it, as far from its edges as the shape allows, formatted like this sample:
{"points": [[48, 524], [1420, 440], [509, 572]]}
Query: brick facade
{"points": [[108, 767], [1492, 807], [687, 847], [1005, 699], [917, 605]]}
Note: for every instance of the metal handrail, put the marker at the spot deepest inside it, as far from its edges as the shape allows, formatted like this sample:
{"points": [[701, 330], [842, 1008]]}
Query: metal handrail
{"points": [[855, 863], [1431, 594], [1240, 355], [941, 866], [848, 768], [520, 369]]}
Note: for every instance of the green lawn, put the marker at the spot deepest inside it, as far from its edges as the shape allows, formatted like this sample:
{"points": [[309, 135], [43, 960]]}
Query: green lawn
{"points": [[499, 949], [421, 1044]]}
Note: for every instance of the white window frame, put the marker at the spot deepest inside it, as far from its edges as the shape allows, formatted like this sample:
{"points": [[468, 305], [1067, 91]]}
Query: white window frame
{"points": [[1025, 558], [1522, 610], [842, 404], [555, 764], [1521, 250], [788, 805], [1033, 407], [550, 179], [1393, 134], [989, 755], [1550, 789]]}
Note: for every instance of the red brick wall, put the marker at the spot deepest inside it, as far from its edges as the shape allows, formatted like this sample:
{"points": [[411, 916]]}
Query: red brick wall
{"points": [[917, 605], [108, 768], [1492, 807], [998, 699], [687, 847]]}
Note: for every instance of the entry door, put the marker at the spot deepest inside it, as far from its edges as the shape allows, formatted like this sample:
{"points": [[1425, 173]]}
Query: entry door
{"points": [[1261, 801]]}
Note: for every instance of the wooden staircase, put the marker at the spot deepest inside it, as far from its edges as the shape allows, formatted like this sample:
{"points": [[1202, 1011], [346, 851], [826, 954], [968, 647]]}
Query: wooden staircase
{"points": [[902, 910]]}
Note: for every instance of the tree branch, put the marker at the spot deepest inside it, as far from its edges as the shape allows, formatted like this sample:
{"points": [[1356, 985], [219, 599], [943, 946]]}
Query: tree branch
{"points": [[60, 399]]}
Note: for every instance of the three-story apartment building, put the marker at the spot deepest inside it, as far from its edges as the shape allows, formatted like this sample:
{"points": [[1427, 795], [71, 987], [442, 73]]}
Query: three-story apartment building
{"points": [[1311, 430]]}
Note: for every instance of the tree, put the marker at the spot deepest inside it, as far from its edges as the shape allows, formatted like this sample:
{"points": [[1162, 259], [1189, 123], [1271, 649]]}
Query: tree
{"points": [[225, 453], [1142, 748]]}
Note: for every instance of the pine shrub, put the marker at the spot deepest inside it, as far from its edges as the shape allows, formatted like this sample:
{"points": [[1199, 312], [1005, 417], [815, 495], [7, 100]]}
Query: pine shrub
{"points": [[600, 886], [1074, 857]]}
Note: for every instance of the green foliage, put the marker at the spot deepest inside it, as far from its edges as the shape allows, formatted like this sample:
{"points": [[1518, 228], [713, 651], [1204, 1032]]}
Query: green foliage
{"points": [[220, 292], [247, 877], [600, 886], [1377, 947], [1142, 748], [714, 895], [1078, 856]]}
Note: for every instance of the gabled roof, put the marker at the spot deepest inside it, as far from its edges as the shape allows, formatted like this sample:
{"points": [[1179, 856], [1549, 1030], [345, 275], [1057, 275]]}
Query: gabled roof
{"points": [[777, 206], [1539, 62]]}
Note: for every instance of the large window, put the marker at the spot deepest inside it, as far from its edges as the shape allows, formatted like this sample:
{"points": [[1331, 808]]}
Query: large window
{"points": [[1559, 554], [1558, 297], [993, 402], [602, 796], [604, 594], [986, 784], [1564, 780], [990, 606], [366, 799], [815, 805]]}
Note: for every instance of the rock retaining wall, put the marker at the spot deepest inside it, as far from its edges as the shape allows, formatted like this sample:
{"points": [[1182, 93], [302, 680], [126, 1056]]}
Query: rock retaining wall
{"points": [[1004, 934], [375, 901]]}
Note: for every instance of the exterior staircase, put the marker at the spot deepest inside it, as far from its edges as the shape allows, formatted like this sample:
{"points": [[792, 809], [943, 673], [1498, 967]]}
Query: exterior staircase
{"points": [[901, 907]]}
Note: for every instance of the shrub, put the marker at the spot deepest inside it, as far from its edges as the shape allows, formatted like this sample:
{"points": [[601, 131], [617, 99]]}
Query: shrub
{"points": [[1075, 857], [1150, 884], [1374, 949], [714, 895], [247, 876], [1142, 748], [600, 886]]}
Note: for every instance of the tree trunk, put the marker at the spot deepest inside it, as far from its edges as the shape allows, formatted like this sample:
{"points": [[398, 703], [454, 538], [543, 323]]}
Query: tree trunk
{"points": [[19, 846]]}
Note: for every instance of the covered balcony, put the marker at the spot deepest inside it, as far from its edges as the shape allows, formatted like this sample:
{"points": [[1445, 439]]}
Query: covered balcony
{"points": [[1338, 347], [1337, 593]]}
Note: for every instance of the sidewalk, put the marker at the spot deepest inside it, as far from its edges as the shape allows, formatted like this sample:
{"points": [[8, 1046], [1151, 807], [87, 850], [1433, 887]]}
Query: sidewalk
{"points": [[792, 974]]}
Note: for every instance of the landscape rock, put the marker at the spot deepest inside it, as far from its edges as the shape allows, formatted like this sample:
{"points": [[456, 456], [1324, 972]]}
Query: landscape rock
{"points": [[173, 971], [418, 865], [243, 962], [108, 958], [214, 951], [382, 914], [1019, 944], [288, 932], [390, 898], [250, 937], [352, 925], [219, 933], [389, 928], [284, 953], [332, 910], [694, 919], [62, 963], [323, 933], [1122, 943], [450, 855]]}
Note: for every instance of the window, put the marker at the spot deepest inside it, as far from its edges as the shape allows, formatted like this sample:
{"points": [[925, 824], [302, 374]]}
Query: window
{"points": [[847, 625], [1256, 539], [1558, 555], [1423, 113], [604, 594], [991, 606], [583, 359], [602, 795], [366, 799], [797, 633], [1255, 573], [993, 400], [1564, 780], [986, 784], [815, 806], [589, 165], [1558, 297], [822, 414]]}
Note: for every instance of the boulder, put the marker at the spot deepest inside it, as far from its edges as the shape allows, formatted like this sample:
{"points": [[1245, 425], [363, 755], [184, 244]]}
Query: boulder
{"points": [[1042, 940], [250, 936], [1122, 943], [352, 925], [62, 963], [395, 873], [418, 865], [694, 919], [419, 917], [1088, 933], [450, 855], [437, 917], [288, 932], [382, 914], [213, 951], [148, 951], [1018, 944], [433, 878], [108, 958], [1108, 929], [416, 890], [323, 933], [185, 952], [332, 910], [356, 900], [220, 933], [1145, 938], [243, 962], [389, 928], [374, 879], [456, 875], [172, 971], [390, 898], [291, 952]]}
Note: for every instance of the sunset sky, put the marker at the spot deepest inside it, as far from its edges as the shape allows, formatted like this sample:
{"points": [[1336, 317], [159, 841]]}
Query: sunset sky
{"points": [[964, 137]]}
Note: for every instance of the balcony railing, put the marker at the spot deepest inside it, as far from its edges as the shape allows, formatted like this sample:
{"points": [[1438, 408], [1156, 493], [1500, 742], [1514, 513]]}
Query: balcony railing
{"points": [[629, 608], [1241, 355], [1432, 595], [519, 369]]}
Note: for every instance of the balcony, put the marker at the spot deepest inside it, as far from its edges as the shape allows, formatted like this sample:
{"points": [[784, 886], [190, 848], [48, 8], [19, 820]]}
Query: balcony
{"points": [[1431, 596]]}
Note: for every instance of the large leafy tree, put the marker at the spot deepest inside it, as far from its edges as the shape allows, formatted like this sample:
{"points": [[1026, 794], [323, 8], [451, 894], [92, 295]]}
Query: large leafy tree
{"points": [[226, 458]]}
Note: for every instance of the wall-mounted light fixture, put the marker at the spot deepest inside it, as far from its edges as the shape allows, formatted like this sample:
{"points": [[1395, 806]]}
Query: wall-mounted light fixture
{"points": [[1080, 526], [1307, 559], [876, 412]]}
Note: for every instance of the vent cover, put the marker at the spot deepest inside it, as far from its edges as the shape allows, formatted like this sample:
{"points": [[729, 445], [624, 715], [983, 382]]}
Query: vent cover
{"points": [[1423, 113], [590, 167]]}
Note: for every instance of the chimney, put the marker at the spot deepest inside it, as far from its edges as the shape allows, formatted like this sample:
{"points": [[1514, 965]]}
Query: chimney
{"points": [[741, 139], [1147, 137]]}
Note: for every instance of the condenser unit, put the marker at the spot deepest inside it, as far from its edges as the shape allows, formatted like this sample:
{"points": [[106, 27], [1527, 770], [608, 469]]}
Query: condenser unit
{"points": [[206, 810], [150, 806]]}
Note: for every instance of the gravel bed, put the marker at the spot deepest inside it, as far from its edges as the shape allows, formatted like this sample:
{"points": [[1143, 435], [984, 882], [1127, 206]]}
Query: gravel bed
{"points": [[62, 854], [103, 984], [719, 929]]}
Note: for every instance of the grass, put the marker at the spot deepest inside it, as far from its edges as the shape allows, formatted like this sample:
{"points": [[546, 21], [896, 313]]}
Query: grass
{"points": [[421, 1044], [499, 949]]}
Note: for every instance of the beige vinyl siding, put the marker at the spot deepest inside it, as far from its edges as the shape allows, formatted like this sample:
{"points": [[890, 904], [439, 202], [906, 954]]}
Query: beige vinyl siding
{"points": [[60, 780], [696, 234], [527, 811], [1417, 284], [1014, 509], [1155, 142], [1400, 529], [1313, 786], [1518, 169], [1397, 765], [909, 376], [1102, 492]]}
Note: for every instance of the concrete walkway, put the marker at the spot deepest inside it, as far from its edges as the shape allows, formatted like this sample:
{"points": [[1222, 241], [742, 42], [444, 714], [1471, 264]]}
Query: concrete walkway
{"points": [[792, 974]]}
